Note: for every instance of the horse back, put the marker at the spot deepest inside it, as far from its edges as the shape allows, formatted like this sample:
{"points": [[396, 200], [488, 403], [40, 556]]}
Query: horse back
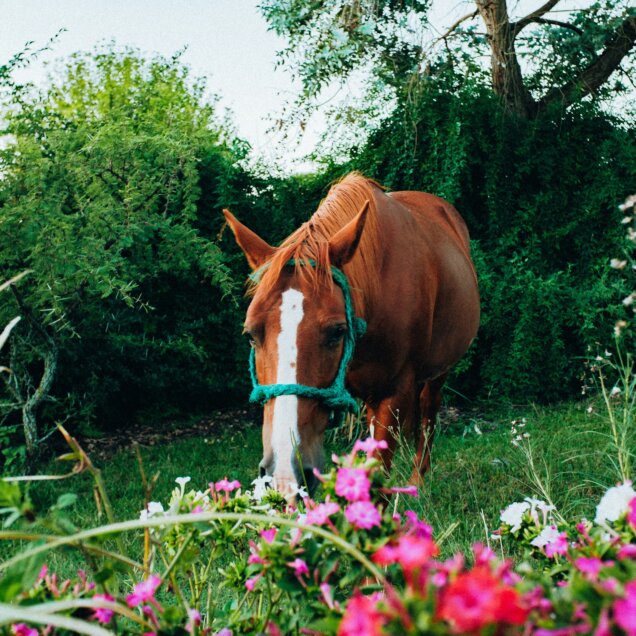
{"points": [[437, 210]]}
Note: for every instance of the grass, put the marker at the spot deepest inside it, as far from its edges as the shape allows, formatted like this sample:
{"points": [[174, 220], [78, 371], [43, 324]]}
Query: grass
{"points": [[476, 471]]}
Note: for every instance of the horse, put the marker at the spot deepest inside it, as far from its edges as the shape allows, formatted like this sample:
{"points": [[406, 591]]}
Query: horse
{"points": [[397, 263]]}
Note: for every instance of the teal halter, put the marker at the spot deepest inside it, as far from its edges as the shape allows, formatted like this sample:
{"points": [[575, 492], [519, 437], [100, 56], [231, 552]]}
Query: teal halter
{"points": [[335, 397]]}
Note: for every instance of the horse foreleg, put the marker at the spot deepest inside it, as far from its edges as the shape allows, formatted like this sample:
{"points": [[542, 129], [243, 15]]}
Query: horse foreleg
{"points": [[430, 400], [392, 415]]}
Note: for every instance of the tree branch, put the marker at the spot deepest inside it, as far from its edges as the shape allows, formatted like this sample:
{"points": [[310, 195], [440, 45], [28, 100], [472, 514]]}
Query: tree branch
{"points": [[563, 25], [532, 17], [468, 16], [592, 77]]}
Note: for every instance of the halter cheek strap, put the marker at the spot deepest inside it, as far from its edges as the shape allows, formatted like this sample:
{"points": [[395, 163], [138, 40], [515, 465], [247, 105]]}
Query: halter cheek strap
{"points": [[335, 397]]}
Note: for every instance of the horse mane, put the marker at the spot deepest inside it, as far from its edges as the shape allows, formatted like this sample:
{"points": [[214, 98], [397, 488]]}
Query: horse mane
{"points": [[311, 242]]}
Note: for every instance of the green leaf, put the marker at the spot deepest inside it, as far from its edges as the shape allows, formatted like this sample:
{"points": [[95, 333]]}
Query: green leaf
{"points": [[21, 576]]}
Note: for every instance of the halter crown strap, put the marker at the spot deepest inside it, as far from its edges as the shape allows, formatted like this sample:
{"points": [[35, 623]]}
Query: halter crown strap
{"points": [[336, 396]]}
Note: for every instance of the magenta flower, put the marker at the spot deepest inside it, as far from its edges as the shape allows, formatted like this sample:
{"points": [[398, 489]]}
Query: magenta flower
{"points": [[103, 614], [417, 527], [589, 566], [369, 445], [353, 484], [558, 546], [627, 551], [625, 610], [631, 513], [404, 490], [225, 486], [144, 592], [226, 631], [411, 552], [362, 617], [319, 515], [269, 535], [250, 584], [299, 566], [21, 629], [363, 515]]}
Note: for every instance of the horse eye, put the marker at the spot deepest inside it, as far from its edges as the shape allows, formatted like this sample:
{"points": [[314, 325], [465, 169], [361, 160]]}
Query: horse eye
{"points": [[250, 339], [334, 335]]}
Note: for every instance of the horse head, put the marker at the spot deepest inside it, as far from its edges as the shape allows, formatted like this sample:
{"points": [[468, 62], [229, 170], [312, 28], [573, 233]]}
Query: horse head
{"points": [[301, 327]]}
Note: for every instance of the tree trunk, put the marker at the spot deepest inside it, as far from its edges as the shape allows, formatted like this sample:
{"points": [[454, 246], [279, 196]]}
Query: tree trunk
{"points": [[507, 80]]}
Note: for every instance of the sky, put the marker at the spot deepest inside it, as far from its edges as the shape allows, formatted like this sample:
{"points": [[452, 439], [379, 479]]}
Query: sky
{"points": [[227, 42]]}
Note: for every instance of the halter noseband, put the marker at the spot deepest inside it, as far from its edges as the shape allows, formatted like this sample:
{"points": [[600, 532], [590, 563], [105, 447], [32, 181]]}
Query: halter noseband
{"points": [[335, 397]]}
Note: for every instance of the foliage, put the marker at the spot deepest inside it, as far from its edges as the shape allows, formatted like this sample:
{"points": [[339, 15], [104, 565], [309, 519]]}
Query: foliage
{"points": [[386, 50], [108, 185], [540, 214]]}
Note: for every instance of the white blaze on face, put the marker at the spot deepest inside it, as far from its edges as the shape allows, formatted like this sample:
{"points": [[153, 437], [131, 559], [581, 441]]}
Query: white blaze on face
{"points": [[285, 435]]}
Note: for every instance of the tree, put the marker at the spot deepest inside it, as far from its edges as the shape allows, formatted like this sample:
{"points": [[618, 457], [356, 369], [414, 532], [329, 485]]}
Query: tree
{"points": [[100, 197], [536, 61]]}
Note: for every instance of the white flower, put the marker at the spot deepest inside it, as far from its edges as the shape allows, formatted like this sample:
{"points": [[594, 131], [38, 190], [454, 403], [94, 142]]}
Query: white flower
{"points": [[513, 514], [615, 392], [182, 481], [541, 506], [629, 300], [154, 508], [299, 491], [549, 534], [616, 263], [614, 502], [260, 486]]}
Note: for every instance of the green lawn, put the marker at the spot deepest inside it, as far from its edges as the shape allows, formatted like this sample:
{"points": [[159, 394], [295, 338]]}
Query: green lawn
{"points": [[476, 469]]}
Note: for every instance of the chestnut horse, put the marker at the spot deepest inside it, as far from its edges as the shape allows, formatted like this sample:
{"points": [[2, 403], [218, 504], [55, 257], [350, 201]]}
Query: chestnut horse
{"points": [[408, 273]]}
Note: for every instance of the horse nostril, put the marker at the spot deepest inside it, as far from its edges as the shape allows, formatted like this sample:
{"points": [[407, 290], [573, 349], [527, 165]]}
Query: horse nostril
{"points": [[261, 471]]}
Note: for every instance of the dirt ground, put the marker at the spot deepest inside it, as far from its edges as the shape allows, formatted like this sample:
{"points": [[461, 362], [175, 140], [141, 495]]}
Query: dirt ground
{"points": [[217, 424]]}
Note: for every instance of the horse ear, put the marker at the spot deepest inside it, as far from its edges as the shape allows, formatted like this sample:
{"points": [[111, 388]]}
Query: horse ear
{"points": [[257, 251], [344, 243]]}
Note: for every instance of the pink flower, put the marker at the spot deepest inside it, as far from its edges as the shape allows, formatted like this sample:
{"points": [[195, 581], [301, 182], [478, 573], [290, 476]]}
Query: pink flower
{"points": [[299, 566], [558, 546], [144, 592], [483, 554], [103, 614], [353, 484], [194, 620], [589, 566], [411, 552], [631, 513], [627, 551], [327, 595], [250, 584], [404, 490], [363, 515], [419, 528], [21, 629], [625, 610], [362, 617], [320, 514], [269, 535], [369, 445], [604, 627], [225, 486], [226, 631]]}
